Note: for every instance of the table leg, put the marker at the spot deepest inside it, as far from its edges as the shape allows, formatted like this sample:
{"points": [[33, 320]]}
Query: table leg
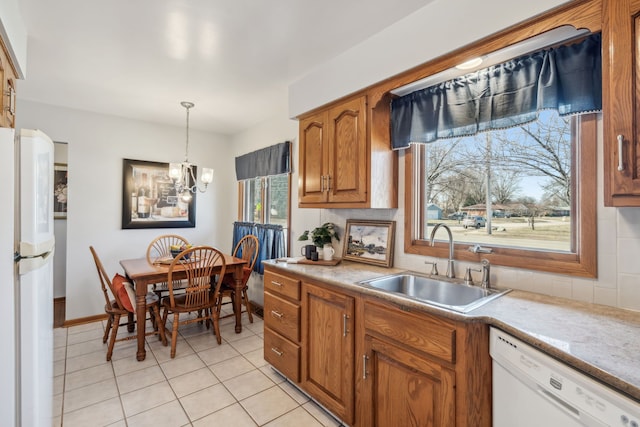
{"points": [[141, 311], [130, 323], [237, 297]]}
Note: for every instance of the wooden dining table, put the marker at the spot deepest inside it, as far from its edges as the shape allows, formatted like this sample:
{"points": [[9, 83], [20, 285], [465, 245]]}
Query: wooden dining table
{"points": [[143, 274]]}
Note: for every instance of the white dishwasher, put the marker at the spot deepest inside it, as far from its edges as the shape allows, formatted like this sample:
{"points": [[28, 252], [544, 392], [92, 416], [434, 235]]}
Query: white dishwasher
{"points": [[531, 389]]}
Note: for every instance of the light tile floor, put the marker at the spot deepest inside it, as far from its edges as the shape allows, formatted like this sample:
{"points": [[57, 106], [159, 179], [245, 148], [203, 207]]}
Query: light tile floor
{"points": [[228, 384]]}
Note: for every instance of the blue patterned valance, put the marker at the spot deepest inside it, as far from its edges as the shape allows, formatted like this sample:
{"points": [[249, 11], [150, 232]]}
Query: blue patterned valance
{"points": [[567, 78]]}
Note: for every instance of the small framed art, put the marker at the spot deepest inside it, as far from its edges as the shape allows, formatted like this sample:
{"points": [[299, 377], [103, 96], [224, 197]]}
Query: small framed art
{"points": [[60, 191], [369, 241]]}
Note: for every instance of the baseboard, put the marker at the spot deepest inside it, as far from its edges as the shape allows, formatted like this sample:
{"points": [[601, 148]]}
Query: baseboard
{"points": [[83, 320], [256, 309]]}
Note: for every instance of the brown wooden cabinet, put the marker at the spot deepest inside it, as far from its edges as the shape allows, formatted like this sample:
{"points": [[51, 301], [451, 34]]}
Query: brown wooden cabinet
{"points": [[407, 375], [421, 370], [337, 158], [404, 389], [621, 102], [373, 362], [282, 324], [328, 349]]}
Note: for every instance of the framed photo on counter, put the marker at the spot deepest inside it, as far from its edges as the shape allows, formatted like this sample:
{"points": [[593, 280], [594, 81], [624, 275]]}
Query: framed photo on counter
{"points": [[369, 241]]}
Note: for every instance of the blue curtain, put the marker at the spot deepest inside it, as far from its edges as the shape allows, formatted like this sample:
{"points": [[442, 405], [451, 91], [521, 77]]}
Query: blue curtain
{"points": [[270, 238], [567, 78], [273, 160], [241, 229]]}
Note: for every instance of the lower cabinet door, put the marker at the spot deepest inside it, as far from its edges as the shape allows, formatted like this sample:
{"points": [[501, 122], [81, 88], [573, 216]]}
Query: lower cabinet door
{"points": [[401, 388], [328, 349]]}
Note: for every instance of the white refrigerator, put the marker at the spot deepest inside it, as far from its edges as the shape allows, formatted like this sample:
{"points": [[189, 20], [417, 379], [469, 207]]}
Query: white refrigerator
{"points": [[26, 273]]}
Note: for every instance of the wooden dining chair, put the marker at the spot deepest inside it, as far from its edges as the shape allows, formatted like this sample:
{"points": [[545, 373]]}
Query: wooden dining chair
{"points": [[123, 305], [247, 249], [160, 247], [203, 267], [159, 250]]}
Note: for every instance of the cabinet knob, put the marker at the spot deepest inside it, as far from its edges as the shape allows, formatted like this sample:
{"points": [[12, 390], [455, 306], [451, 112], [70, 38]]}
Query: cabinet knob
{"points": [[276, 351], [276, 314]]}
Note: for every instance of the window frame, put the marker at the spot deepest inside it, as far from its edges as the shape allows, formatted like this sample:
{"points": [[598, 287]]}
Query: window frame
{"points": [[585, 14], [263, 197], [581, 262]]}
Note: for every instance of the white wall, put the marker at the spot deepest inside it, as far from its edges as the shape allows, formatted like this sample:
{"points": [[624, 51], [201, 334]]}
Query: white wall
{"points": [[434, 30], [14, 32], [97, 145]]}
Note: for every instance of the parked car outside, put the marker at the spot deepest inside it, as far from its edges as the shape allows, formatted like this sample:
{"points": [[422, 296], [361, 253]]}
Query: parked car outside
{"points": [[457, 215], [474, 221]]}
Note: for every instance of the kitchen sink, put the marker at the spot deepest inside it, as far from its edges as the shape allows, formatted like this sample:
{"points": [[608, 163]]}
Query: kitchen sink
{"points": [[447, 294]]}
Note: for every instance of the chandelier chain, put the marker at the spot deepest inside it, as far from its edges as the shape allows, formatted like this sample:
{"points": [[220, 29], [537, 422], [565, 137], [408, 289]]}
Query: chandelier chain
{"points": [[188, 105]]}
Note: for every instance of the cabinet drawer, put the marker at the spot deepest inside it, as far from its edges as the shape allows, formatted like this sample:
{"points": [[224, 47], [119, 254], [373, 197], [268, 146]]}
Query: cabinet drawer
{"points": [[282, 316], [282, 354], [421, 332], [283, 285]]}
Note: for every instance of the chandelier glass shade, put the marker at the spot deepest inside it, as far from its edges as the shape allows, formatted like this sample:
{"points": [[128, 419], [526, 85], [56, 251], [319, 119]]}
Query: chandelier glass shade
{"points": [[182, 173]]}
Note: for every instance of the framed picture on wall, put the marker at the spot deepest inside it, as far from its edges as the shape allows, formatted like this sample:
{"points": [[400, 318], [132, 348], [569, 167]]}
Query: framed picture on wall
{"points": [[60, 191], [149, 198], [369, 241]]}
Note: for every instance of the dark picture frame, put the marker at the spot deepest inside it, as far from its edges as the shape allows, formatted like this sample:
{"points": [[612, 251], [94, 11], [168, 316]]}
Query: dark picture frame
{"points": [[60, 198], [161, 206], [369, 241]]}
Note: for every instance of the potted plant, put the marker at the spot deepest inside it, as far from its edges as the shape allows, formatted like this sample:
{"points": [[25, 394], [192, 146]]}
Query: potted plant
{"points": [[322, 235]]}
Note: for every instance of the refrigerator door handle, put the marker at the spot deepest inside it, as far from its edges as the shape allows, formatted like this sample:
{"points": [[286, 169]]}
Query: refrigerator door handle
{"points": [[28, 249], [26, 265]]}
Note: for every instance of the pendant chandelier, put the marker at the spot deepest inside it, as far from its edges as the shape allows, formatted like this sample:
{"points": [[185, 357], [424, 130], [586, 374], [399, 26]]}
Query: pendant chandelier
{"points": [[182, 173]]}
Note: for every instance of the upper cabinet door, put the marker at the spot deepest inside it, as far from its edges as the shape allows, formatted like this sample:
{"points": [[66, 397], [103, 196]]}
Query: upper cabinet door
{"points": [[313, 159], [8, 87], [621, 103], [347, 177], [335, 161]]}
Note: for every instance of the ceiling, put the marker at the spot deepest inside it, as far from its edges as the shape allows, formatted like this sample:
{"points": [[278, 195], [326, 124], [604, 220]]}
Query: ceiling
{"points": [[233, 58]]}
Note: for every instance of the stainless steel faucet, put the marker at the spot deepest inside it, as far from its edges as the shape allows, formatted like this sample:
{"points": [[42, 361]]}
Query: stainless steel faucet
{"points": [[450, 273], [486, 274], [434, 267]]}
